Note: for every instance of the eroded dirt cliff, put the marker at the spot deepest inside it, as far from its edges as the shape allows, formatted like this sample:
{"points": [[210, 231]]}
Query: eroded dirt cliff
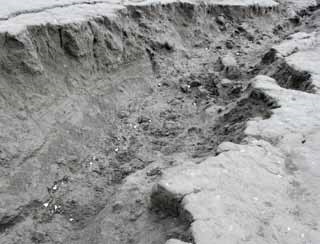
{"points": [[93, 111]]}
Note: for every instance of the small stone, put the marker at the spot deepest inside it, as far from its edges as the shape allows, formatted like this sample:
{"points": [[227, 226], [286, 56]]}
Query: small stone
{"points": [[123, 114], [250, 37], [226, 82], [117, 206], [229, 44], [222, 28], [228, 64], [185, 88], [220, 20], [155, 172], [269, 57], [195, 84], [143, 119]]}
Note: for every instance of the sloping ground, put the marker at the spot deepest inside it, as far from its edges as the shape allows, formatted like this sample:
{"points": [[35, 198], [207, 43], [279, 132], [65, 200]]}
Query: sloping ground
{"points": [[98, 98], [293, 63], [299, 53], [266, 189], [256, 192]]}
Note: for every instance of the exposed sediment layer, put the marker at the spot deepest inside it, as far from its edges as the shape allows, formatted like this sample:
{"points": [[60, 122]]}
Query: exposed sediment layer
{"points": [[264, 190], [255, 192], [222, 200], [293, 63], [74, 83]]}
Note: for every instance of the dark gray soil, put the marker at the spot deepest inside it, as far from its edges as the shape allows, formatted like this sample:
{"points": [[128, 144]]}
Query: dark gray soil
{"points": [[86, 136]]}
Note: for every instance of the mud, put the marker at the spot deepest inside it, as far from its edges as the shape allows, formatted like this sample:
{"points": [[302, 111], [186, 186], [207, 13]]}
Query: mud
{"points": [[94, 111]]}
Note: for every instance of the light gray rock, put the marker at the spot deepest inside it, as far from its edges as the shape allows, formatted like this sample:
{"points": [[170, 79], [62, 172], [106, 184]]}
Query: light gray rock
{"points": [[299, 112], [229, 66], [175, 241], [299, 55], [253, 193]]}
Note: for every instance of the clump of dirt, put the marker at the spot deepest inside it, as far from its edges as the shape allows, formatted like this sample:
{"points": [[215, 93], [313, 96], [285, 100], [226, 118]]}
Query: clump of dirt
{"points": [[275, 66], [286, 75]]}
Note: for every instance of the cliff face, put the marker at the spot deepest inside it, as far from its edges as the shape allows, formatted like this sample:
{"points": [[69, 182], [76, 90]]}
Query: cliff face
{"points": [[97, 97]]}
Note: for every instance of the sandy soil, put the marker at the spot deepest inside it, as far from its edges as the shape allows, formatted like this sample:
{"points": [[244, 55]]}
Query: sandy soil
{"points": [[94, 111]]}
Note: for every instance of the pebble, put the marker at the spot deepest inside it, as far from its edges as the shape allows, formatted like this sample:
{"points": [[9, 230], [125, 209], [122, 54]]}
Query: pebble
{"points": [[220, 20], [185, 88], [229, 44], [117, 206]]}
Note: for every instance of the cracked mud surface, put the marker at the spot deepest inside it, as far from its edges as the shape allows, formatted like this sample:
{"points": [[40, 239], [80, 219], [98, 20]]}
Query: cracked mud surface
{"points": [[93, 113]]}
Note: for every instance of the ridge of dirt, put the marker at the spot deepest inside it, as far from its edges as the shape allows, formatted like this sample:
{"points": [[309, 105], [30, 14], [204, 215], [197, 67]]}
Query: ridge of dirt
{"points": [[38, 10], [275, 65], [287, 76]]}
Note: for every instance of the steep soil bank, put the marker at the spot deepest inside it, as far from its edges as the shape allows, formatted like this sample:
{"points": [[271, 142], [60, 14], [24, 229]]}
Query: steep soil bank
{"points": [[203, 194], [93, 111]]}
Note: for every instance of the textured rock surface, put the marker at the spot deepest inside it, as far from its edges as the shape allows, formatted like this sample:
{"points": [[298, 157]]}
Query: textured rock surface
{"points": [[255, 193], [297, 59]]}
